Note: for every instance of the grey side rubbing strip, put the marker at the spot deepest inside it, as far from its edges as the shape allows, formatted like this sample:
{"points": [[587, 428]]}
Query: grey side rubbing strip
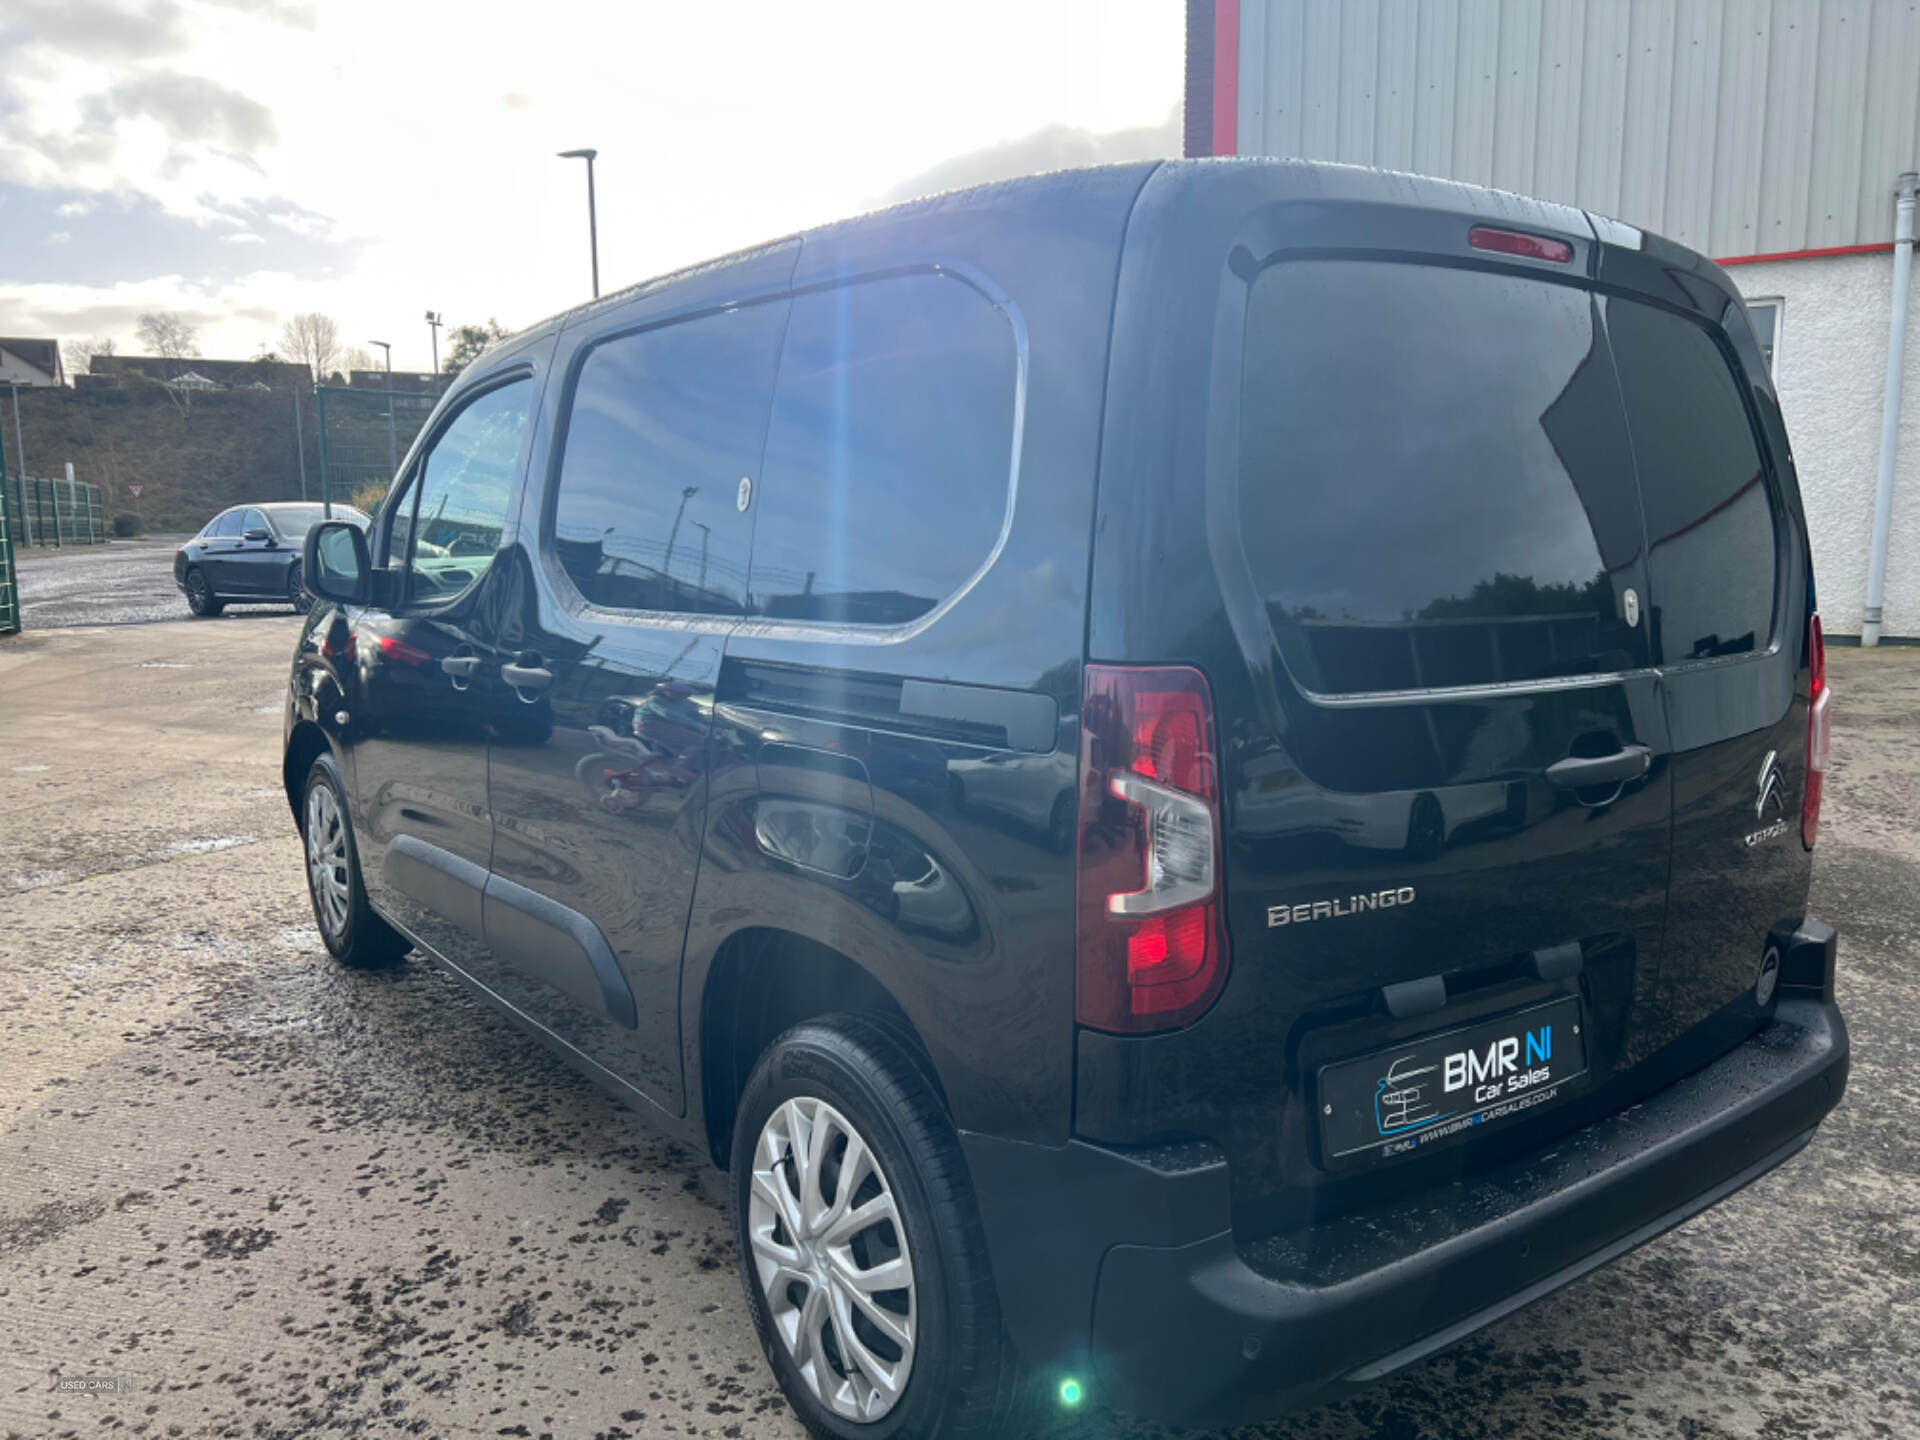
{"points": [[567, 930], [438, 879]]}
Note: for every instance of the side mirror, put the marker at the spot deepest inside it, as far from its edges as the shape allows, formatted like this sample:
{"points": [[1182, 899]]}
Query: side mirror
{"points": [[258, 532], [335, 565]]}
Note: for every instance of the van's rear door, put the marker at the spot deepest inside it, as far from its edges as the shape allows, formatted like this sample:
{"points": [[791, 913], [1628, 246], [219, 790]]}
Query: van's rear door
{"points": [[1459, 773], [1728, 624]]}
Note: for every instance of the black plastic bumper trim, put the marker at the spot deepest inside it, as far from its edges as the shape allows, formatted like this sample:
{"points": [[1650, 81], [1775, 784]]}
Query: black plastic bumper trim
{"points": [[1198, 1335], [1518, 1301]]}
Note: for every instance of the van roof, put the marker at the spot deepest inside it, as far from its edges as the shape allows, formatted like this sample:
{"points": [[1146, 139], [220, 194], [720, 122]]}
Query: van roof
{"points": [[1265, 179]]}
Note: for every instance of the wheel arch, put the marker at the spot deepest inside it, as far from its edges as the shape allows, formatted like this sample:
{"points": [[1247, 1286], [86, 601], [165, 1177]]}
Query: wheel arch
{"points": [[763, 981], [305, 744]]}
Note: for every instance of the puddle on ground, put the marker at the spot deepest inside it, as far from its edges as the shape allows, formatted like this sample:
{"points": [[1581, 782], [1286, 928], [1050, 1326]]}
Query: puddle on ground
{"points": [[204, 845]]}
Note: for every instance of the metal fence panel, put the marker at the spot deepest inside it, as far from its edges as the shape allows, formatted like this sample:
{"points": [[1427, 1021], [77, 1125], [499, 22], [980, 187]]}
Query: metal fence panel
{"points": [[364, 434], [9, 581], [56, 512]]}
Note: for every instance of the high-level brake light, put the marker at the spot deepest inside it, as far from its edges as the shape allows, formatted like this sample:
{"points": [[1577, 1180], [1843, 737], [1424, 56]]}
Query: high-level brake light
{"points": [[1819, 733], [1151, 947], [1518, 242]]}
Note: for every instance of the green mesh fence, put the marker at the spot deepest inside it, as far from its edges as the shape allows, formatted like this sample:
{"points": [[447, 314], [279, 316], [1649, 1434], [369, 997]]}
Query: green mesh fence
{"points": [[9, 581], [56, 512], [364, 434]]}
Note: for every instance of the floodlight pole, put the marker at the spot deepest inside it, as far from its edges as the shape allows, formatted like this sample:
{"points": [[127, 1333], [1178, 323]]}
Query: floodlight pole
{"points": [[393, 444], [593, 222]]}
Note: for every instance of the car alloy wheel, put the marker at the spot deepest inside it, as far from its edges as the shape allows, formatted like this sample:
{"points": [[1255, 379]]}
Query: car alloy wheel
{"points": [[297, 594], [831, 1259], [199, 598], [327, 872]]}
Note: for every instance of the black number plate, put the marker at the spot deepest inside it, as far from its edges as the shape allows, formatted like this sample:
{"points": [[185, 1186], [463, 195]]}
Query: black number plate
{"points": [[1443, 1087]]}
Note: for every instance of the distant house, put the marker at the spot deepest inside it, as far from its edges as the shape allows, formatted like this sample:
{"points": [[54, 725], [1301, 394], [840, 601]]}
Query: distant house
{"points": [[198, 373], [405, 382], [31, 362]]}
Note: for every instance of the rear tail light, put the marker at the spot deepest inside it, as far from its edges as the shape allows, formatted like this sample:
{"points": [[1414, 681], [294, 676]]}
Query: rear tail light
{"points": [[401, 652], [1518, 242], [1151, 948], [1819, 733]]}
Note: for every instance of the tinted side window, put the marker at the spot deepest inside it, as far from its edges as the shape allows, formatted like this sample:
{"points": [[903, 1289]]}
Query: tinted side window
{"points": [[664, 426], [1435, 481], [252, 520], [227, 525], [889, 451], [460, 502], [1710, 527]]}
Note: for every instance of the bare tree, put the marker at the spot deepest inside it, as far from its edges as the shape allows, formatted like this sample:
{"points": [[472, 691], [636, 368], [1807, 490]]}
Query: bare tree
{"points": [[80, 354], [351, 359], [168, 334], [313, 340], [175, 339]]}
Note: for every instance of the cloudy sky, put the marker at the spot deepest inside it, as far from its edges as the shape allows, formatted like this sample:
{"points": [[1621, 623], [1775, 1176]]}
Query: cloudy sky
{"points": [[242, 160]]}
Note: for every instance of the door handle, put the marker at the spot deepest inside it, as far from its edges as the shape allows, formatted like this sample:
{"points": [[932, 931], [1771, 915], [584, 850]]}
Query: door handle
{"points": [[1581, 772], [460, 668], [526, 681]]}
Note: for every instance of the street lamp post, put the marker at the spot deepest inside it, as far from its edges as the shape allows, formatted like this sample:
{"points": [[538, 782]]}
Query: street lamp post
{"points": [[433, 324], [393, 447], [686, 494], [593, 224]]}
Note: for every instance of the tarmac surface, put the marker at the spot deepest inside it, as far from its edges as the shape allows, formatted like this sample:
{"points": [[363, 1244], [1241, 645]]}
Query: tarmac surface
{"points": [[284, 1199], [126, 582]]}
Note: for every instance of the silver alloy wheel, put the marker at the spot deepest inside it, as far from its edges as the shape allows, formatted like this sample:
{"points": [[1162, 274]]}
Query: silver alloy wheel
{"points": [[829, 1248], [327, 860]]}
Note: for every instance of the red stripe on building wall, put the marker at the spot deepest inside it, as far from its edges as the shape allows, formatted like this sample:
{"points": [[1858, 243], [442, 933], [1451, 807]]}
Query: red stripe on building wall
{"points": [[1808, 254], [1226, 77]]}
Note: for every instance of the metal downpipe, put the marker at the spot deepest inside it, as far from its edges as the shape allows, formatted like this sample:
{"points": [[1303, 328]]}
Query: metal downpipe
{"points": [[1890, 408]]}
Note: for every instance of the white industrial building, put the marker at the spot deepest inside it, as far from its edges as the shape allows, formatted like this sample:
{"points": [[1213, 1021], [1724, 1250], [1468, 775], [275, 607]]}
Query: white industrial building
{"points": [[1772, 135]]}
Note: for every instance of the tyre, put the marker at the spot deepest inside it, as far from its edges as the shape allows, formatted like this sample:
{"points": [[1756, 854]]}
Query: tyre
{"points": [[354, 935], [297, 595], [200, 597], [861, 1253]]}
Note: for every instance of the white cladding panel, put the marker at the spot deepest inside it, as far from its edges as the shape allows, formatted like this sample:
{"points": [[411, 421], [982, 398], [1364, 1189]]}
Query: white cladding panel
{"points": [[1738, 127]]}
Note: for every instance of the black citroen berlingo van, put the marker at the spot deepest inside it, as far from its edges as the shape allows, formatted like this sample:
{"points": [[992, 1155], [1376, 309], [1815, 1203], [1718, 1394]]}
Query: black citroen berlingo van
{"points": [[1200, 777]]}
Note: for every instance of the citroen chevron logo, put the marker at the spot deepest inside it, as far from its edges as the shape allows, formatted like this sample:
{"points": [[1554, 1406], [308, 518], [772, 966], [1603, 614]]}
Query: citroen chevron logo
{"points": [[1769, 783]]}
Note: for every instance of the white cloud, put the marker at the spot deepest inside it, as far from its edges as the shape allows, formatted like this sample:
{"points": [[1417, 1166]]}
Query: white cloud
{"points": [[1057, 147], [397, 130]]}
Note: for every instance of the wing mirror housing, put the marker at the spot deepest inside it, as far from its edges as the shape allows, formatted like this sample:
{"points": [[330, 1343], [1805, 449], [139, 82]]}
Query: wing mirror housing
{"points": [[336, 565], [258, 532]]}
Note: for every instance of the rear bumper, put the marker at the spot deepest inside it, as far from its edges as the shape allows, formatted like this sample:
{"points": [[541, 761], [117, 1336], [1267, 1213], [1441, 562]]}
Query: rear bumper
{"points": [[1198, 1329]]}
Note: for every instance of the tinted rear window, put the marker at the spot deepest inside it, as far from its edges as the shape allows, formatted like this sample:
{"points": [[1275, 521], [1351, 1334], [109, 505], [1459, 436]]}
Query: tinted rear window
{"points": [[665, 424], [889, 452], [1436, 482], [1710, 523]]}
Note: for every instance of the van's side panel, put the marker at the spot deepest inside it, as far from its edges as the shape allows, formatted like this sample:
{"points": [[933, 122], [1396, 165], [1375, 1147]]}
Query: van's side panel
{"points": [[953, 732]]}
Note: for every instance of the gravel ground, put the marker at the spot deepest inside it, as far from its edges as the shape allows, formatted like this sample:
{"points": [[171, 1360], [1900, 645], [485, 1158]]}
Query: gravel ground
{"points": [[127, 582], [287, 1199]]}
